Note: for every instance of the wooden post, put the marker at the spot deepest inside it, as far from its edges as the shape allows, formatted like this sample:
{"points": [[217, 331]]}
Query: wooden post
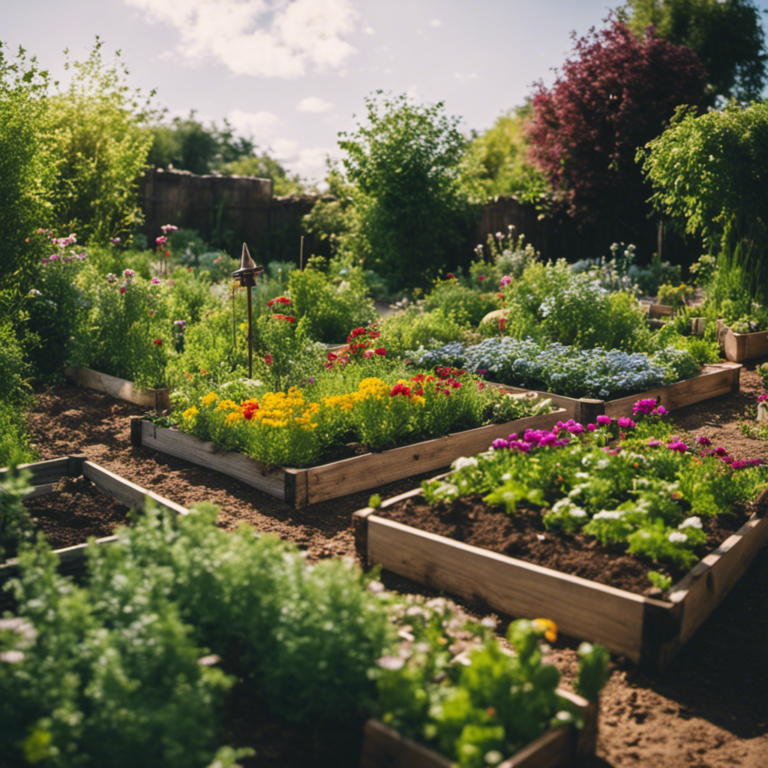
{"points": [[250, 335], [360, 531], [136, 431], [588, 409]]}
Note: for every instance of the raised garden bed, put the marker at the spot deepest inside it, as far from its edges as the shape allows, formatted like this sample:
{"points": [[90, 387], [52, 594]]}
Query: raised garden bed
{"points": [[383, 747], [157, 399], [301, 487], [45, 477], [647, 631], [714, 380], [739, 347]]}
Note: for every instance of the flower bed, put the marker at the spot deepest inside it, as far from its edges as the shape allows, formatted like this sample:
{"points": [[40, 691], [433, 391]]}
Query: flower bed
{"points": [[157, 399], [300, 487], [738, 347], [44, 476], [645, 510]]}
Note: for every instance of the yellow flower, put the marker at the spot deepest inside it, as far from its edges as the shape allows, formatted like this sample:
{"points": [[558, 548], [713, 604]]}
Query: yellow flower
{"points": [[418, 400], [233, 417], [190, 413], [209, 398], [227, 405], [549, 627]]}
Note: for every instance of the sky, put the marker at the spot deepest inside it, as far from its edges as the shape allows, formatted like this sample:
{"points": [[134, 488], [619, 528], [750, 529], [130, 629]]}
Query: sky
{"points": [[293, 73]]}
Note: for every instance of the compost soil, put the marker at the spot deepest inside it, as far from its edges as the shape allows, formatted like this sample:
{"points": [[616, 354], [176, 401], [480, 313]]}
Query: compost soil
{"points": [[75, 511], [708, 709]]}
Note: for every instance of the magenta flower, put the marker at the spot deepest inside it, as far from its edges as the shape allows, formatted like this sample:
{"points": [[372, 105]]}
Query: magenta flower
{"points": [[481, 278], [162, 240], [122, 289], [604, 421], [591, 427], [654, 443], [720, 451], [626, 423], [155, 280], [661, 411], [644, 406], [506, 280], [762, 398], [705, 441], [678, 446], [499, 444]]}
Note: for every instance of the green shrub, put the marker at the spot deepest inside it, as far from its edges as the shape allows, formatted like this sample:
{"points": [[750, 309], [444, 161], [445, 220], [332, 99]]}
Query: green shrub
{"points": [[408, 330], [462, 304], [329, 307]]}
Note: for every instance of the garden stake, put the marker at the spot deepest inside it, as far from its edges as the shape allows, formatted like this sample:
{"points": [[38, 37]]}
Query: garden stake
{"points": [[247, 277]]}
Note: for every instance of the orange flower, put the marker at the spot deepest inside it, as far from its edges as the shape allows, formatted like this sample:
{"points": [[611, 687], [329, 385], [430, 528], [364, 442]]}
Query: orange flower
{"points": [[549, 627]]}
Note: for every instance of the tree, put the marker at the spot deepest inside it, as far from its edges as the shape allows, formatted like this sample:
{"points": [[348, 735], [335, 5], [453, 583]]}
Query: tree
{"points": [[614, 95], [411, 192], [726, 35], [500, 157], [29, 160], [710, 173], [104, 150]]}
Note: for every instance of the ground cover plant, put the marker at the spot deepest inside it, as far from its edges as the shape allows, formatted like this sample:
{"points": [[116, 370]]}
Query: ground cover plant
{"points": [[564, 370], [178, 612], [630, 482]]}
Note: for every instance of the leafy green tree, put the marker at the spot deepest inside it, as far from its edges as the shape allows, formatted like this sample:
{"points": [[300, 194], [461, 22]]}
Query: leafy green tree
{"points": [[265, 167], [710, 174], [411, 190], [28, 164], [98, 121], [726, 35], [500, 158]]}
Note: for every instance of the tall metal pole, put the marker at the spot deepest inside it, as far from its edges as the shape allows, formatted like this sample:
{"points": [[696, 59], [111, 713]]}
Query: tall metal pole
{"points": [[247, 277], [250, 335]]}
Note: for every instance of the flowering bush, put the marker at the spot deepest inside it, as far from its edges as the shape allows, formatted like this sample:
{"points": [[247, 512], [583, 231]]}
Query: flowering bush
{"points": [[564, 370], [461, 303], [629, 482]]}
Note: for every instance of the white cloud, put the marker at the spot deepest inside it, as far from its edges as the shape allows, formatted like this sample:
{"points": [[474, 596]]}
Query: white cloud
{"points": [[465, 77], [313, 104], [369, 30], [264, 38], [435, 23], [260, 125]]}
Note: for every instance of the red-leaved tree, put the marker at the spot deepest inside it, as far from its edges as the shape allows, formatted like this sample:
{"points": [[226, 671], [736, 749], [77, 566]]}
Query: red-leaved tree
{"points": [[612, 96]]}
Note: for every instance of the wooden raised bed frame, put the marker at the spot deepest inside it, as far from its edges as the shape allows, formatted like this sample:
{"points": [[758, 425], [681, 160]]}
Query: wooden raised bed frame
{"points": [[301, 487], [648, 632], [739, 347], [383, 747], [45, 475], [714, 380], [157, 399]]}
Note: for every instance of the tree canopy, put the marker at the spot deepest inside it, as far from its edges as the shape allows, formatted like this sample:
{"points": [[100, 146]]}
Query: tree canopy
{"points": [[612, 96], [726, 35]]}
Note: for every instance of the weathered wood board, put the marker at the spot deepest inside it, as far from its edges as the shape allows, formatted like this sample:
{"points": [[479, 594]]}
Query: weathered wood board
{"points": [[157, 399], [714, 380], [649, 632], [738, 347], [383, 747], [300, 487], [44, 477]]}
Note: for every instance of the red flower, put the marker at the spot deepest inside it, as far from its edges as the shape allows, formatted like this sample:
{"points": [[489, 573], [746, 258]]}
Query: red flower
{"points": [[481, 278], [400, 389], [203, 371], [249, 409], [368, 353], [268, 359], [158, 342], [167, 254], [122, 289], [450, 276], [283, 300], [270, 302], [380, 351], [418, 392], [332, 357]]}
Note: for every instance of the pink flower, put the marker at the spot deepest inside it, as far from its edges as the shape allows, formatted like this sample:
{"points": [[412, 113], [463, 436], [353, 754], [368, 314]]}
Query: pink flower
{"points": [[481, 278], [506, 280], [368, 353], [701, 440], [122, 289], [591, 427], [604, 421], [762, 398], [644, 406], [626, 423], [450, 276], [677, 445], [162, 240], [155, 280]]}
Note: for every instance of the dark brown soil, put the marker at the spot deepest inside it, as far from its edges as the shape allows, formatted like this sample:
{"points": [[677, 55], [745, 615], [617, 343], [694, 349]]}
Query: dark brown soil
{"points": [[523, 536], [75, 511], [707, 710]]}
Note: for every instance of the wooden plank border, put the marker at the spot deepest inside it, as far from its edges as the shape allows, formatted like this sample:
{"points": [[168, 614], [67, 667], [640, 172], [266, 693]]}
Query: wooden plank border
{"points": [[45, 475], [383, 747], [714, 380], [648, 632], [301, 487], [738, 347], [157, 399]]}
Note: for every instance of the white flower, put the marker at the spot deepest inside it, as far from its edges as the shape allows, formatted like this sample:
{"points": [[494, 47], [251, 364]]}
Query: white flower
{"points": [[616, 514], [677, 538], [577, 512], [691, 522], [464, 461]]}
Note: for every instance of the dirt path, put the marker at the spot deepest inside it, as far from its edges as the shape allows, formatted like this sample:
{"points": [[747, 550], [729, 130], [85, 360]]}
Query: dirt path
{"points": [[707, 710]]}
